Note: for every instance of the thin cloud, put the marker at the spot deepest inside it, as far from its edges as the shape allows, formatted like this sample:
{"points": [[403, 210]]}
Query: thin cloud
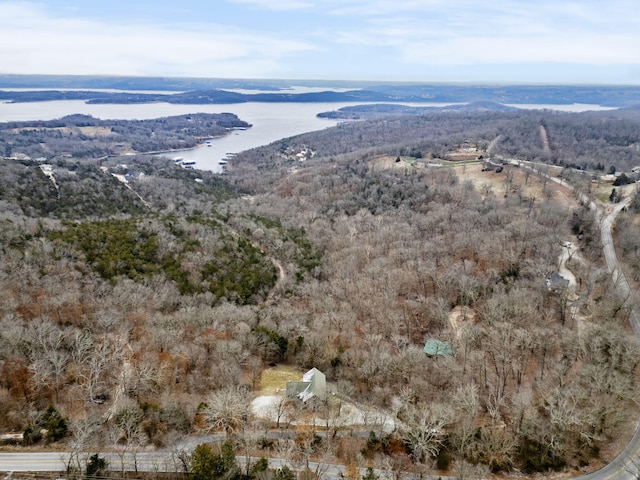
{"points": [[595, 50], [511, 34], [324, 38], [278, 5], [74, 45]]}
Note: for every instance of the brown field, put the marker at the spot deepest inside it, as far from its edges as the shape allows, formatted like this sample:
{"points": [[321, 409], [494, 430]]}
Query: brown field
{"points": [[95, 131], [513, 181], [386, 162], [510, 181], [461, 156], [87, 131], [275, 379]]}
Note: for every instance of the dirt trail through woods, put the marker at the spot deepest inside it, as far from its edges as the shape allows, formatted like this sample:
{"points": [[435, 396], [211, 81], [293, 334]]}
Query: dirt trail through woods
{"points": [[545, 139], [282, 277], [493, 143]]}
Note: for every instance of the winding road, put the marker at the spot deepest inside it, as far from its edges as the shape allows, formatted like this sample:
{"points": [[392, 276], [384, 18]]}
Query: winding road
{"points": [[626, 466]]}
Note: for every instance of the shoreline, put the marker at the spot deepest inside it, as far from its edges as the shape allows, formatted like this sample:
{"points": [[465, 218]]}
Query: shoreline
{"points": [[199, 145]]}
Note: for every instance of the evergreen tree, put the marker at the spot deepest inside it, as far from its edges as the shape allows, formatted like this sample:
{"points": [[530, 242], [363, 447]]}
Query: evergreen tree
{"points": [[204, 463]]}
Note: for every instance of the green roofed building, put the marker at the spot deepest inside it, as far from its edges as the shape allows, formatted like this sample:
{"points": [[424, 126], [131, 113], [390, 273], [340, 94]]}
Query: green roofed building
{"points": [[435, 348]]}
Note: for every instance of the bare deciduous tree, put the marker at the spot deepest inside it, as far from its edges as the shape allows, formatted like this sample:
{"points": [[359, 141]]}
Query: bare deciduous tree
{"points": [[227, 410]]}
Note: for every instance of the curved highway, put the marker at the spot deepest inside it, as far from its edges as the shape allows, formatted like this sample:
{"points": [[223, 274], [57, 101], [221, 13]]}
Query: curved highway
{"points": [[626, 466]]}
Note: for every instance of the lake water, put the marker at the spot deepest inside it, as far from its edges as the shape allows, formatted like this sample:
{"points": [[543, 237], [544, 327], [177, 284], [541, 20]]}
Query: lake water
{"points": [[271, 121]]}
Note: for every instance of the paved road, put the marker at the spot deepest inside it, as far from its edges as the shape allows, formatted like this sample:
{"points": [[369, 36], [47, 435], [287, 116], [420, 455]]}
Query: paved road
{"points": [[31, 462], [626, 465], [161, 461], [57, 461]]}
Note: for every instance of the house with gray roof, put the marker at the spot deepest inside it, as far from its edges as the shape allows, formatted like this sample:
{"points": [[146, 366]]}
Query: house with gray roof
{"points": [[313, 384], [556, 282]]}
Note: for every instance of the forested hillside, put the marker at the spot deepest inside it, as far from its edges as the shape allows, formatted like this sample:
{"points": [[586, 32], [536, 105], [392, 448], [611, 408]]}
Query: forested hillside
{"points": [[83, 136], [138, 312]]}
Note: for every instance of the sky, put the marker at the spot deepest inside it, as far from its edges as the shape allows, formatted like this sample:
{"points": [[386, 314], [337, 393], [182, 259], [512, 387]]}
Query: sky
{"points": [[465, 41]]}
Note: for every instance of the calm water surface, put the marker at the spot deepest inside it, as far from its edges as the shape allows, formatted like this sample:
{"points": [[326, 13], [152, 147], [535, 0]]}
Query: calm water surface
{"points": [[271, 121]]}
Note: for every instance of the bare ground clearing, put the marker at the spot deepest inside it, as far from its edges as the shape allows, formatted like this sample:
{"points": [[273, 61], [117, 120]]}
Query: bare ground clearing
{"points": [[89, 131], [513, 180], [273, 380]]}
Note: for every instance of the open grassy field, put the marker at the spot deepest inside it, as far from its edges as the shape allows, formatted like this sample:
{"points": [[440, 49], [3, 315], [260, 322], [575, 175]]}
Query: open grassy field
{"points": [[88, 131], [274, 379]]}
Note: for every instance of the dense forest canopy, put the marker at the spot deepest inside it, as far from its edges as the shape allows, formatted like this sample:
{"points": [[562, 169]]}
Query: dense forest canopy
{"points": [[140, 308]]}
